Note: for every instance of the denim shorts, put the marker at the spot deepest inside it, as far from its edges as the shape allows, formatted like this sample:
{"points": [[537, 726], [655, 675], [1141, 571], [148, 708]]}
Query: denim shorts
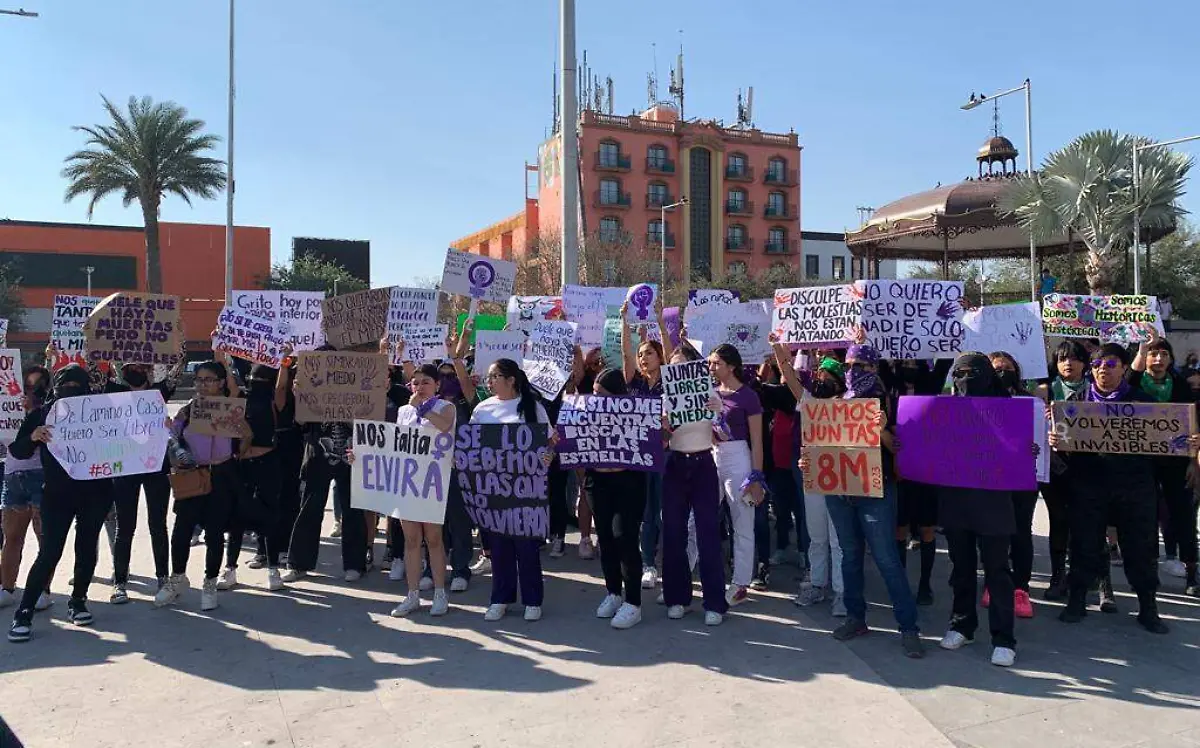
{"points": [[22, 490]]}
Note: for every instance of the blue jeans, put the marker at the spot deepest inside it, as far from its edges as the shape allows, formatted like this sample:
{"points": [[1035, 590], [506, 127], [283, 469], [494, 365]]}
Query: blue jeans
{"points": [[860, 522], [22, 490], [652, 518]]}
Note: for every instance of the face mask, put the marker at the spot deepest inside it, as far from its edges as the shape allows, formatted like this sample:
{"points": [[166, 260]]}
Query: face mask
{"points": [[450, 387], [69, 389], [860, 381], [134, 377], [824, 389], [1007, 379], [974, 383]]}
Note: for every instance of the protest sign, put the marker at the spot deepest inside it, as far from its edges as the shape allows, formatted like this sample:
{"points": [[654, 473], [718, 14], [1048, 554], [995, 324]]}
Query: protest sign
{"points": [[748, 330], [424, 345], [410, 307], [401, 471], [493, 345], [218, 416], [356, 318], [841, 440], [12, 403], [3, 332], [611, 348], [816, 316], [1015, 329], [1125, 428], [640, 300], [844, 472], [603, 431], [135, 328], [687, 387], [589, 335], [482, 322], [484, 278], [1112, 319], [1041, 437], [674, 324], [524, 311], [333, 386], [703, 300], [109, 436], [70, 313], [248, 336], [915, 319], [549, 356], [505, 484], [579, 300], [298, 314], [966, 442]]}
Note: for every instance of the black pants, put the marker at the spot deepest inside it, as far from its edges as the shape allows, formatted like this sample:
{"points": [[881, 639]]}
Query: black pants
{"points": [[290, 447], [1099, 500], [1024, 504], [1057, 494], [557, 490], [1170, 475], [618, 503], [85, 503], [212, 512], [258, 508], [126, 492], [315, 479], [996, 577]]}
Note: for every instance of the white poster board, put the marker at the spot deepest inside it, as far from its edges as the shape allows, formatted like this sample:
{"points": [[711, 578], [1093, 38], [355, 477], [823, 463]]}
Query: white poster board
{"points": [[109, 436], [299, 314], [913, 319], [477, 277], [1015, 329], [401, 471], [493, 345], [549, 356]]}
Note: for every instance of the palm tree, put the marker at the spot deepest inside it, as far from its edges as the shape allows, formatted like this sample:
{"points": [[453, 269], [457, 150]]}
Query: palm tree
{"points": [[142, 154], [1087, 187]]}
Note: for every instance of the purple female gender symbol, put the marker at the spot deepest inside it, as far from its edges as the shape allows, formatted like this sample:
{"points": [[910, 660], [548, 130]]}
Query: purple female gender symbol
{"points": [[642, 297], [480, 275]]}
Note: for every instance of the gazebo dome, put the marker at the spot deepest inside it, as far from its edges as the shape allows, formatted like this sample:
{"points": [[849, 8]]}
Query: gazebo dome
{"points": [[997, 150]]}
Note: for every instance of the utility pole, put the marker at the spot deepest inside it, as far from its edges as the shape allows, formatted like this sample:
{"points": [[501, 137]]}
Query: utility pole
{"points": [[570, 145], [229, 186], [19, 12]]}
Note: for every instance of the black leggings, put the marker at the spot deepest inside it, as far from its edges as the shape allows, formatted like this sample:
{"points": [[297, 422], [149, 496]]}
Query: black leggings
{"points": [[84, 503], [618, 503], [997, 578], [1024, 505], [126, 492], [212, 512], [1057, 494], [316, 477], [262, 478]]}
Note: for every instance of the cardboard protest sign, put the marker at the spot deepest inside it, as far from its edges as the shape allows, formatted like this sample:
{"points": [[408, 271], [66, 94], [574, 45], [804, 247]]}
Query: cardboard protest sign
{"points": [[524, 311], [601, 431], [334, 386], [424, 345], [816, 316], [844, 472], [493, 345], [297, 312], [916, 319], [68, 317], [12, 402], [135, 328], [1125, 428], [549, 356], [641, 300], [218, 416], [1015, 329], [401, 471], [687, 387], [249, 336], [483, 278], [966, 442], [842, 443], [356, 318], [482, 322], [109, 436], [1112, 319], [505, 485], [410, 307]]}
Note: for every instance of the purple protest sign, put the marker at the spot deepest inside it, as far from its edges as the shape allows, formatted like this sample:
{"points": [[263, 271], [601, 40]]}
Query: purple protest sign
{"points": [[505, 484], [601, 431], [966, 442], [641, 303], [671, 320]]}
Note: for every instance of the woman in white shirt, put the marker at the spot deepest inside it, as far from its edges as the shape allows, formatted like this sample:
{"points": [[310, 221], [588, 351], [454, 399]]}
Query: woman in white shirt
{"points": [[425, 407]]}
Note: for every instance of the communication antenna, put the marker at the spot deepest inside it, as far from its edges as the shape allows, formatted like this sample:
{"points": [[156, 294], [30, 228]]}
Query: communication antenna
{"points": [[745, 109], [750, 107], [677, 77], [609, 85], [652, 79], [995, 118]]}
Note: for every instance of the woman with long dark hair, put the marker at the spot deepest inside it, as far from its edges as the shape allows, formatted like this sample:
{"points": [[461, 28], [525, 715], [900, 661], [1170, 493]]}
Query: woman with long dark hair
{"points": [[21, 500]]}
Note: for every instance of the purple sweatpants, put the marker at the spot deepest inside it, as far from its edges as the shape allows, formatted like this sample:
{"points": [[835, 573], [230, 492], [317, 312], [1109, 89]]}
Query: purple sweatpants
{"points": [[516, 559], [690, 485]]}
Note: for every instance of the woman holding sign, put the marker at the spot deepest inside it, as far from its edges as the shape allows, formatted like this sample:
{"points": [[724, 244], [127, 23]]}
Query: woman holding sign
{"points": [[21, 500]]}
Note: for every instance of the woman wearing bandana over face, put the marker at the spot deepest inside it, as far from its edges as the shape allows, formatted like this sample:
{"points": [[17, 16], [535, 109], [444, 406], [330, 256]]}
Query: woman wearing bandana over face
{"points": [[65, 501]]}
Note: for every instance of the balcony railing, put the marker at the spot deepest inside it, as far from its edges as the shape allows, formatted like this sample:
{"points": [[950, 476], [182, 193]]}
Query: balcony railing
{"points": [[619, 201], [780, 177], [743, 208], [785, 247], [745, 244], [606, 162], [658, 201], [654, 239], [736, 174], [660, 166], [786, 211]]}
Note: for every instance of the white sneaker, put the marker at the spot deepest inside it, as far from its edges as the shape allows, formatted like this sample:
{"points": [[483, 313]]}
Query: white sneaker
{"points": [[557, 548], [482, 565], [176, 584], [293, 575], [396, 573], [459, 584], [609, 606], [495, 612], [409, 604], [7, 598], [1003, 657], [337, 529], [441, 603], [1175, 568], [627, 617], [954, 640], [809, 595], [227, 580], [426, 584], [587, 551], [675, 612], [44, 601], [533, 613], [838, 609], [649, 578], [713, 618], [208, 595], [353, 575], [274, 580], [661, 599]]}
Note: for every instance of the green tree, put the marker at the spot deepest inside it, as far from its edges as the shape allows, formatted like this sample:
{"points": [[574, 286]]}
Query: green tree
{"points": [[1175, 270], [1088, 187], [308, 273], [150, 150], [12, 306]]}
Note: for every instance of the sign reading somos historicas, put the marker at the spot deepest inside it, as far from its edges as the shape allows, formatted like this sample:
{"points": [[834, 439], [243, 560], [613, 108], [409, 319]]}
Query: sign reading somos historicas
{"points": [[135, 328], [1117, 319], [505, 484], [841, 440], [1160, 429]]}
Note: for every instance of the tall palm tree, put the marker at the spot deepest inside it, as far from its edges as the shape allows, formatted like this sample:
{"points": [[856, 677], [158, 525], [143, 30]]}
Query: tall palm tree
{"points": [[1087, 186], [144, 153]]}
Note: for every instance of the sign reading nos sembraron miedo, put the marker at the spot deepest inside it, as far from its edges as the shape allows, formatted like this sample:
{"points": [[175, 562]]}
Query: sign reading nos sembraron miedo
{"points": [[503, 479], [608, 431]]}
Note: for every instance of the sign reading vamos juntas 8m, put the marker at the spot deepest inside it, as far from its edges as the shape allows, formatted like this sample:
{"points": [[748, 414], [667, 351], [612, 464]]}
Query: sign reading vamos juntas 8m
{"points": [[135, 328]]}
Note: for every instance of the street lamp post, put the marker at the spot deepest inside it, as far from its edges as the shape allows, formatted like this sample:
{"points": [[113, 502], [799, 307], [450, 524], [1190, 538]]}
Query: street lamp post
{"points": [[1027, 88], [662, 269], [1137, 211], [89, 270], [229, 186], [19, 12]]}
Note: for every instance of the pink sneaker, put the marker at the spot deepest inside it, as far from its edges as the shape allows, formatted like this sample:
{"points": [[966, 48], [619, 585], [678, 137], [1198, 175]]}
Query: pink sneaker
{"points": [[1022, 605], [987, 597]]}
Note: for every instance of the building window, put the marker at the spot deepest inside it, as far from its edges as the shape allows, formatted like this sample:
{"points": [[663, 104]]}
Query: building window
{"points": [[735, 237], [737, 268], [776, 205], [654, 232], [610, 191], [839, 268], [777, 170], [609, 269], [700, 228], [856, 267], [812, 266], [737, 201], [610, 229], [610, 154], [657, 194], [656, 157], [65, 271], [736, 165], [777, 240]]}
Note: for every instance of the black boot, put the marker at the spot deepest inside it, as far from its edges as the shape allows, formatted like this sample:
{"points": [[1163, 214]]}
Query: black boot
{"points": [[928, 554], [1148, 614], [1058, 578], [902, 549], [1076, 606]]}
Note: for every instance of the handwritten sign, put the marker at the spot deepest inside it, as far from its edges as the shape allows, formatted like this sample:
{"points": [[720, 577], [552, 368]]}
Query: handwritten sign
{"points": [[401, 471], [333, 386], [12, 403], [914, 319], [844, 472], [611, 349], [505, 484], [839, 423], [549, 356], [524, 311], [703, 300], [135, 328], [1160, 429], [1041, 437], [1015, 329], [748, 329], [640, 300], [579, 300], [841, 441], [816, 316], [249, 336], [674, 324], [70, 313], [1112, 319], [601, 431], [297, 312], [356, 318], [493, 345], [966, 442], [424, 345], [483, 278], [218, 416], [109, 436], [687, 387], [409, 308]]}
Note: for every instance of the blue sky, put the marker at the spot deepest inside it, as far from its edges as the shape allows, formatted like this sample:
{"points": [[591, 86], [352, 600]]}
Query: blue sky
{"points": [[408, 123]]}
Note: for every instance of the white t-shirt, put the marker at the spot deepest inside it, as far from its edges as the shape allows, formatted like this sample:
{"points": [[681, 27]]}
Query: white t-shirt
{"points": [[692, 437], [495, 410], [407, 414]]}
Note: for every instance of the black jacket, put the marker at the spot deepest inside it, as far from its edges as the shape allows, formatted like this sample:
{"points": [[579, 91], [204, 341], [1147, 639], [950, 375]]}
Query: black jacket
{"points": [[57, 480]]}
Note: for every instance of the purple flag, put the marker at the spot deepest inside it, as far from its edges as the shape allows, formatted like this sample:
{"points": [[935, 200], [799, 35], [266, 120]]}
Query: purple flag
{"points": [[671, 320], [601, 431], [966, 442]]}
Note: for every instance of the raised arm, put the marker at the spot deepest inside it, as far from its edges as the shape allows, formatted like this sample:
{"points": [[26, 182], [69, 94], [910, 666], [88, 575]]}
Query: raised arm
{"points": [[628, 364]]}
